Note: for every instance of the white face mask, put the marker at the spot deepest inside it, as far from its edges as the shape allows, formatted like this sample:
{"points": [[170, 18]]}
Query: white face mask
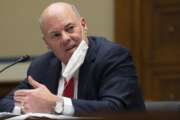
{"points": [[76, 60]]}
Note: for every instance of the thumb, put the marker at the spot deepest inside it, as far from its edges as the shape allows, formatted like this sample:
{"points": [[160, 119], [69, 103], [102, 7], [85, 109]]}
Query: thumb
{"points": [[34, 83]]}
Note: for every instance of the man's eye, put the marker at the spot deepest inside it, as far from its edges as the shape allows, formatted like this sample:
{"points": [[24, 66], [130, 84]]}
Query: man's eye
{"points": [[54, 35], [70, 29]]}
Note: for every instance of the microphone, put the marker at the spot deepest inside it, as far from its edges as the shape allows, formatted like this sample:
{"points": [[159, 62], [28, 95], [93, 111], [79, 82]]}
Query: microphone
{"points": [[20, 59]]}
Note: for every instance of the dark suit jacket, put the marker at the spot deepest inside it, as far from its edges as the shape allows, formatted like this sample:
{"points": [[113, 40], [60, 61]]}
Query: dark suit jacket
{"points": [[107, 79]]}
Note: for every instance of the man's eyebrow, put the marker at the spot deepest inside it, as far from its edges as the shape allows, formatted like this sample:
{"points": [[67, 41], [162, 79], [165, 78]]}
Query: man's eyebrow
{"points": [[66, 26], [52, 32], [69, 24]]}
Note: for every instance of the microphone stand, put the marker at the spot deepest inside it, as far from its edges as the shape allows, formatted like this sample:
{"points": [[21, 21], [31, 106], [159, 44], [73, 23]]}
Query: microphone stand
{"points": [[21, 59]]}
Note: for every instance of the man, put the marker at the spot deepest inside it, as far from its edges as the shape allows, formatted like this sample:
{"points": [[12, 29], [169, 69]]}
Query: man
{"points": [[79, 75]]}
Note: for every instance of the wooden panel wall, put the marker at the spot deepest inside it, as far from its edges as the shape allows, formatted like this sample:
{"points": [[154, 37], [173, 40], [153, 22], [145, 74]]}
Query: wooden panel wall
{"points": [[166, 49], [151, 29]]}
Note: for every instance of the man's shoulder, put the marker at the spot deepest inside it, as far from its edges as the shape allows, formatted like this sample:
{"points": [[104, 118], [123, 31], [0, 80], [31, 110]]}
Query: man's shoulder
{"points": [[103, 45], [102, 41]]}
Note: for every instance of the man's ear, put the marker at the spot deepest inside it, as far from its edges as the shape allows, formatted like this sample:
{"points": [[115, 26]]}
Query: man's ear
{"points": [[46, 44], [84, 24]]}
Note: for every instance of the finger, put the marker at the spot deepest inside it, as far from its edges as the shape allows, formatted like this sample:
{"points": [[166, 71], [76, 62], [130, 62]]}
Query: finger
{"points": [[19, 99], [34, 83], [22, 92], [23, 107]]}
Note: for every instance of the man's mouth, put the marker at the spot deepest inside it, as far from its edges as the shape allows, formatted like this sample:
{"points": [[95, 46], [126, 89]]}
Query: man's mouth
{"points": [[71, 48]]}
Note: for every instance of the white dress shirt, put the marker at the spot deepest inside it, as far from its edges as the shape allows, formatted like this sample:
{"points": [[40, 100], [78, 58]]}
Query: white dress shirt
{"points": [[68, 107]]}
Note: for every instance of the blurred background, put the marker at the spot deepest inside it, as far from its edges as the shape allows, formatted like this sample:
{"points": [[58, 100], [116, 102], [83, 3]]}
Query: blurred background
{"points": [[149, 28], [19, 27]]}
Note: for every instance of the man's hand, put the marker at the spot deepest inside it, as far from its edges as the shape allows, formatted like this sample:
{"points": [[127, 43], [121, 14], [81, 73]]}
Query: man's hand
{"points": [[39, 99]]}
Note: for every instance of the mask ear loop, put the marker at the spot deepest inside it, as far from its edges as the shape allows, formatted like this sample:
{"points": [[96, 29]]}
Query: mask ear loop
{"points": [[84, 34]]}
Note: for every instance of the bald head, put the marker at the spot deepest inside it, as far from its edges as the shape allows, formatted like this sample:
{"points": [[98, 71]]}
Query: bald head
{"points": [[58, 9]]}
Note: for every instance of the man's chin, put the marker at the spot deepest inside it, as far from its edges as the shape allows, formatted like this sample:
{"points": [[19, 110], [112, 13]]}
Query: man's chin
{"points": [[70, 52]]}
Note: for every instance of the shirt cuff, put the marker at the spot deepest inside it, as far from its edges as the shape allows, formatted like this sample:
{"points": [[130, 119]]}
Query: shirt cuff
{"points": [[68, 107], [16, 110]]}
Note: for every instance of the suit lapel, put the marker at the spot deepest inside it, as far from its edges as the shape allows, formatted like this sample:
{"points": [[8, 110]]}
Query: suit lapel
{"points": [[53, 74], [83, 73]]}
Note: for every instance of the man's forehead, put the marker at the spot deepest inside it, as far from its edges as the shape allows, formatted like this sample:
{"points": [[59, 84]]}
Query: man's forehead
{"points": [[59, 20]]}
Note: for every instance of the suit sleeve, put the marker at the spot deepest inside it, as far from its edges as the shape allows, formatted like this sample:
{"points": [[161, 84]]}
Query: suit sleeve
{"points": [[118, 86]]}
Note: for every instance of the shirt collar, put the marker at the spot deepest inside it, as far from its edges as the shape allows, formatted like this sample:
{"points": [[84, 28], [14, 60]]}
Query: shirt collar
{"points": [[63, 67]]}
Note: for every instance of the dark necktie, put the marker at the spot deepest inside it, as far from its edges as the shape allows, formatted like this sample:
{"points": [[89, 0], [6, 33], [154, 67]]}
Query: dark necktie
{"points": [[69, 88]]}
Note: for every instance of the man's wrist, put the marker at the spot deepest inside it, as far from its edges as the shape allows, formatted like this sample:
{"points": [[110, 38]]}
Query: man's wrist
{"points": [[59, 106], [68, 106]]}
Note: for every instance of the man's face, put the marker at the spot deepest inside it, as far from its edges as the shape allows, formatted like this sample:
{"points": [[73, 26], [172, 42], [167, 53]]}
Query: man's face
{"points": [[63, 34]]}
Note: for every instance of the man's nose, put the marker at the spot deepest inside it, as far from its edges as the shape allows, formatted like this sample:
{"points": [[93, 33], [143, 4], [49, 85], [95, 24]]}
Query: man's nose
{"points": [[65, 37]]}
